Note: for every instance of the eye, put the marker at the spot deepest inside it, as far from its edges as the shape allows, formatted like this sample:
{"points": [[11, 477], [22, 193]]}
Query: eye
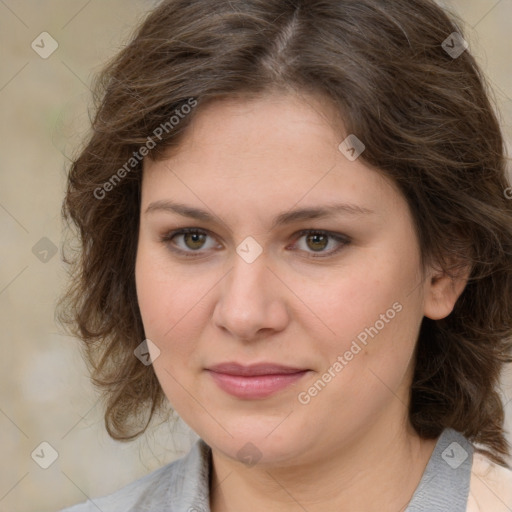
{"points": [[193, 241], [317, 241]]}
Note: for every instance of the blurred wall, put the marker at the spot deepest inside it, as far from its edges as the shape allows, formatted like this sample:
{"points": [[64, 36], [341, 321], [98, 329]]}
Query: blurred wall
{"points": [[45, 395]]}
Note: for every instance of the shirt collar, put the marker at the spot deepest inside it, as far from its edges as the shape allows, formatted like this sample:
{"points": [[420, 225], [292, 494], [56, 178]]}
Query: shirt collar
{"points": [[444, 484], [190, 489], [445, 481]]}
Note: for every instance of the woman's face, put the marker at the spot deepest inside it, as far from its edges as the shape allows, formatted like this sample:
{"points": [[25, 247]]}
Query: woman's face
{"points": [[250, 288]]}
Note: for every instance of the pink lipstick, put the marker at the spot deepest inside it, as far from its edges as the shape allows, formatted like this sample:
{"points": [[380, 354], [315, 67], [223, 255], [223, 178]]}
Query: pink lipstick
{"points": [[254, 381]]}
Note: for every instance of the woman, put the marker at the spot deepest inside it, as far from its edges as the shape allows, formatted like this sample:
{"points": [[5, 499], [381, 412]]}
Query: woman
{"points": [[295, 229]]}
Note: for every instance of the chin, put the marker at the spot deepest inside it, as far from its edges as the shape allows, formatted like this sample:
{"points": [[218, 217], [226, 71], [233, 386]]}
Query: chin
{"points": [[261, 452], [254, 442]]}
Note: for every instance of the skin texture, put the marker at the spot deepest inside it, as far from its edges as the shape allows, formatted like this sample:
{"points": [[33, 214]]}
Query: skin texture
{"points": [[246, 161]]}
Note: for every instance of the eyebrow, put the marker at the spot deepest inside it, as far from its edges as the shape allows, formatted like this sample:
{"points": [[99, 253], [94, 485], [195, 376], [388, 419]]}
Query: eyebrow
{"points": [[320, 212]]}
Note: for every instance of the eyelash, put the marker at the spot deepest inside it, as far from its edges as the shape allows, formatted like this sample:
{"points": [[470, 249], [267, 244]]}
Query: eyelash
{"points": [[167, 239]]}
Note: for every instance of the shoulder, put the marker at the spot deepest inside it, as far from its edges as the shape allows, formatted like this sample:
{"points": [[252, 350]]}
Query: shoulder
{"points": [[162, 489], [127, 496], [490, 486]]}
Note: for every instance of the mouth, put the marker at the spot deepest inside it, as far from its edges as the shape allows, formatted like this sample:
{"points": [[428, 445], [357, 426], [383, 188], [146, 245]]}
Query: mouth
{"points": [[254, 381]]}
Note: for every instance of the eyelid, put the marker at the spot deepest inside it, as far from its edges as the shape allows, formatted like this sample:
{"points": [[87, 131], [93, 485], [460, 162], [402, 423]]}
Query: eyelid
{"points": [[342, 239]]}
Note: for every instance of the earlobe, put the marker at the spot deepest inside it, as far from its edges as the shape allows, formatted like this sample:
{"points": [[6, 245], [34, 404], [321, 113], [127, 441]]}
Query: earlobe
{"points": [[442, 292]]}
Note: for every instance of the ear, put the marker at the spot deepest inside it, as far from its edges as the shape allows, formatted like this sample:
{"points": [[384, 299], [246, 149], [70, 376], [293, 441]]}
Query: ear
{"points": [[442, 290]]}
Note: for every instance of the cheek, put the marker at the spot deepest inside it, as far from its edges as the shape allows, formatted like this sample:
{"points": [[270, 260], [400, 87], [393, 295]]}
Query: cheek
{"points": [[376, 320], [170, 306], [155, 296], [366, 378], [152, 295], [164, 305], [354, 302]]}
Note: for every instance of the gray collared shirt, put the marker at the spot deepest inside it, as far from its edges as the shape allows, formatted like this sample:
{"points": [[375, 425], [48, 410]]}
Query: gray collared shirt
{"points": [[183, 485]]}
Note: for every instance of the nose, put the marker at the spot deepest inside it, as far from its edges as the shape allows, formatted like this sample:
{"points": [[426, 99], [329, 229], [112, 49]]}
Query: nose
{"points": [[251, 302]]}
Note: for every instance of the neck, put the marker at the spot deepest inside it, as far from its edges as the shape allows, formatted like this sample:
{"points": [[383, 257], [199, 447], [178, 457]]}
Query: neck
{"points": [[379, 469]]}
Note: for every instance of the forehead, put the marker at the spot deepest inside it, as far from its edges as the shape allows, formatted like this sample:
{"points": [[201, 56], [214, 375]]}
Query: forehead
{"points": [[262, 124], [256, 154]]}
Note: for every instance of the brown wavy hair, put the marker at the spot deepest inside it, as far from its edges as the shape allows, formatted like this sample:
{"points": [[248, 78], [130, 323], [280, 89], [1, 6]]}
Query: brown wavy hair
{"points": [[428, 121]]}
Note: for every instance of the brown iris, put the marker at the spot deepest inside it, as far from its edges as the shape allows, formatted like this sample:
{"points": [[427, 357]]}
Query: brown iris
{"points": [[320, 241], [196, 238]]}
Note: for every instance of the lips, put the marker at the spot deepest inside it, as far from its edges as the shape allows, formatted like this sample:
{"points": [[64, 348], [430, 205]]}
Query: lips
{"points": [[254, 369], [255, 381]]}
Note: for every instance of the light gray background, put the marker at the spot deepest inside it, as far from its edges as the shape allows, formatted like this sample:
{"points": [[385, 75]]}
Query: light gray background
{"points": [[45, 393]]}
